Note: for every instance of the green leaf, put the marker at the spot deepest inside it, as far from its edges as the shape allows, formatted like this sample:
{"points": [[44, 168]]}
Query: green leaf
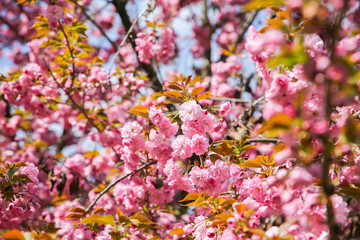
{"points": [[289, 57], [20, 164], [22, 178], [83, 55], [140, 219], [99, 219]]}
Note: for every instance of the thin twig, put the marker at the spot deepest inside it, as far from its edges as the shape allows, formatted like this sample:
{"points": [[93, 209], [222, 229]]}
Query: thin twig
{"points": [[83, 111], [115, 182], [149, 9], [237, 100], [120, 6], [264, 140], [248, 20]]}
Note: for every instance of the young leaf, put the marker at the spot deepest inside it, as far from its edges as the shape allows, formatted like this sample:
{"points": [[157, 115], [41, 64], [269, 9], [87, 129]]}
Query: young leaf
{"points": [[191, 197], [278, 24], [175, 86], [197, 90], [204, 96], [77, 209], [174, 94], [140, 111], [20, 164], [142, 219], [98, 219], [176, 231], [74, 216], [253, 163], [13, 235]]}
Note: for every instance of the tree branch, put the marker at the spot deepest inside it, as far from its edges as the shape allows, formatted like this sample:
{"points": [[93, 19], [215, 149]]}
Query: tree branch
{"points": [[248, 21], [120, 8], [83, 111], [115, 182], [264, 140]]}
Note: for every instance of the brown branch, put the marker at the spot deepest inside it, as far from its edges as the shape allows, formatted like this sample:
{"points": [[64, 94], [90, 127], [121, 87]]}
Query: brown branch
{"points": [[13, 29], [71, 50], [115, 182], [237, 100], [120, 8], [248, 21], [207, 56]]}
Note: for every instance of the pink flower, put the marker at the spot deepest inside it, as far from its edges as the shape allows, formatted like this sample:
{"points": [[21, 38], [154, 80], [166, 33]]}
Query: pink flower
{"points": [[68, 19], [182, 147], [190, 111], [199, 144], [224, 109], [54, 13], [31, 171]]}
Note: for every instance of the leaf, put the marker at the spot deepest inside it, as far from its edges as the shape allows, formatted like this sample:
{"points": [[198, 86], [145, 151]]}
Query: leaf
{"points": [[20, 164], [13, 235], [83, 55], [77, 209], [99, 219], [278, 24], [197, 90], [277, 122], [99, 210], [229, 201], [224, 216], [175, 86], [225, 149], [44, 236], [191, 197], [214, 157], [253, 163], [74, 216], [257, 231], [22, 178], [176, 231], [289, 57], [240, 207], [91, 154], [284, 15], [40, 24], [260, 4], [141, 219], [264, 29], [204, 96], [174, 94], [140, 111]]}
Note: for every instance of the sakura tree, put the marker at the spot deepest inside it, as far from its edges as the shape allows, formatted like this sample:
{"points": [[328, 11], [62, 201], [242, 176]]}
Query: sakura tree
{"points": [[180, 119]]}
